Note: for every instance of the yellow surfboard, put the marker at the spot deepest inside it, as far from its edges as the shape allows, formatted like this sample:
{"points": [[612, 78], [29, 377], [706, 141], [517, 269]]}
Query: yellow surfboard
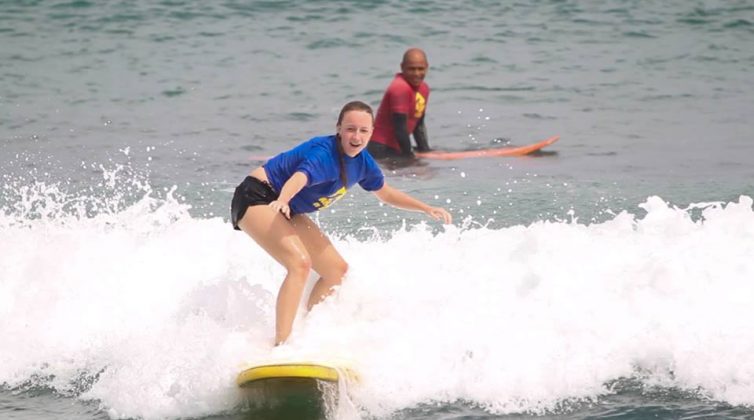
{"points": [[295, 390], [292, 370]]}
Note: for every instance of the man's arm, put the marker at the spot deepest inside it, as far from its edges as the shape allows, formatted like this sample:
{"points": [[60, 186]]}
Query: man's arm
{"points": [[420, 135], [400, 127]]}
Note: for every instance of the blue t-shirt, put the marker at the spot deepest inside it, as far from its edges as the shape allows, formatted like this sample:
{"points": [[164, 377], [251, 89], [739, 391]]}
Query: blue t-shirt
{"points": [[318, 159]]}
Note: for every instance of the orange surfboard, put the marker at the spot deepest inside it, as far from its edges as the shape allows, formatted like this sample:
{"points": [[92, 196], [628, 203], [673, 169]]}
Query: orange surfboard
{"points": [[494, 152], [446, 155]]}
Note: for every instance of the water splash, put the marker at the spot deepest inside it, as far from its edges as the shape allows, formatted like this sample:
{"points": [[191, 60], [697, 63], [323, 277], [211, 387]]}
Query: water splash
{"points": [[152, 312]]}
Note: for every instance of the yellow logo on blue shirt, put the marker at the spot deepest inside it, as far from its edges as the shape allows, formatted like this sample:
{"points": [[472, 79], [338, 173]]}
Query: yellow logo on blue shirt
{"points": [[325, 202], [421, 104]]}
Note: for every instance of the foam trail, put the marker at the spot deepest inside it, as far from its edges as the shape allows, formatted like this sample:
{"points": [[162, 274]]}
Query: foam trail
{"points": [[152, 312]]}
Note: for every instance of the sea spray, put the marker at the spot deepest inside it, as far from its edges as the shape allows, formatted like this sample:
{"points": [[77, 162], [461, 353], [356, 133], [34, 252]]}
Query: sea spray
{"points": [[152, 312]]}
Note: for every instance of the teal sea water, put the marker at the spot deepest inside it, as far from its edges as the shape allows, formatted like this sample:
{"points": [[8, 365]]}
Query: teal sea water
{"points": [[608, 277]]}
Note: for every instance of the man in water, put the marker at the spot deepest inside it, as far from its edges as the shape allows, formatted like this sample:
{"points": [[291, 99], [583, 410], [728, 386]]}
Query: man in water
{"points": [[401, 112]]}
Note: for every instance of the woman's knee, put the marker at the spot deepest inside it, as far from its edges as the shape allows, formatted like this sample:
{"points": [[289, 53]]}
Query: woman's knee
{"points": [[300, 265], [339, 271], [343, 268]]}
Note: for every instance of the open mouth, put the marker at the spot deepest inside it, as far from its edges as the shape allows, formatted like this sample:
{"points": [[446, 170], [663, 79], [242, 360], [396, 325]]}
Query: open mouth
{"points": [[355, 146]]}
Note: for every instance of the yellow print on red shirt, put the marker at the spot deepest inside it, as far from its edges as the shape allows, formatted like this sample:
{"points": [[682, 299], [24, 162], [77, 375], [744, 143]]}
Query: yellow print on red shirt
{"points": [[421, 104], [325, 202]]}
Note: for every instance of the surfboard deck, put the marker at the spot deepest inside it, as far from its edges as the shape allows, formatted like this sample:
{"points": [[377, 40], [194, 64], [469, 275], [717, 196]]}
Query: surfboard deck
{"points": [[492, 152]]}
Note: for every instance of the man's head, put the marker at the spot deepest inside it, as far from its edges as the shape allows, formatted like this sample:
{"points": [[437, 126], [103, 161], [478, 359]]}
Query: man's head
{"points": [[414, 66]]}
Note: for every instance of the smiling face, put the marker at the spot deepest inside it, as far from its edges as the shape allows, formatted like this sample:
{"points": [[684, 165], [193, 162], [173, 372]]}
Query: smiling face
{"points": [[355, 130], [414, 67]]}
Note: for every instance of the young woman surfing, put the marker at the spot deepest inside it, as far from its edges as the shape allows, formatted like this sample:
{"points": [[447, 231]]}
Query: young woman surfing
{"points": [[270, 205]]}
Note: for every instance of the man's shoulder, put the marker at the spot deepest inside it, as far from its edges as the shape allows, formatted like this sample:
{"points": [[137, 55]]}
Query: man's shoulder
{"points": [[399, 84]]}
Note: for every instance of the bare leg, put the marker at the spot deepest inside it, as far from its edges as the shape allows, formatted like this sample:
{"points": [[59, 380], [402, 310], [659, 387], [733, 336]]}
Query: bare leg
{"points": [[276, 235], [326, 260]]}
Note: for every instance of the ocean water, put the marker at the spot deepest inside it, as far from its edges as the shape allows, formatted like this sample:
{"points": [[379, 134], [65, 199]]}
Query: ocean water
{"points": [[610, 276]]}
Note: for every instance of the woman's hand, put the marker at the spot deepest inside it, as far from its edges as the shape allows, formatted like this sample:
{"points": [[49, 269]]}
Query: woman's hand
{"points": [[282, 207], [439, 213]]}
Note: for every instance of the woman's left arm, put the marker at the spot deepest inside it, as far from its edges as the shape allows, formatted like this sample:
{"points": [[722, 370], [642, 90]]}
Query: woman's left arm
{"points": [[397, 198]]}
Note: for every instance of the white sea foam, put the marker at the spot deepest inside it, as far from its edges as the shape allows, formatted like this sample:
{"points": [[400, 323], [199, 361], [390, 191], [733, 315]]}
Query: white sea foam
{"points": [[152, 312]]}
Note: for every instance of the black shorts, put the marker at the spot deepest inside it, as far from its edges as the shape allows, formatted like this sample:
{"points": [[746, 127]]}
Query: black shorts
{"points": [[251, 192]]}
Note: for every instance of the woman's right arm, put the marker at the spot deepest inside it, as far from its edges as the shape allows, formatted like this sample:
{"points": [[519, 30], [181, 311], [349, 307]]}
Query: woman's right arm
{"points": [[292, 186]]}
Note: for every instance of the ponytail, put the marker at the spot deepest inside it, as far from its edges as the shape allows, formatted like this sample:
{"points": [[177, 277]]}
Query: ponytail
{"points": [[341, 161]]}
